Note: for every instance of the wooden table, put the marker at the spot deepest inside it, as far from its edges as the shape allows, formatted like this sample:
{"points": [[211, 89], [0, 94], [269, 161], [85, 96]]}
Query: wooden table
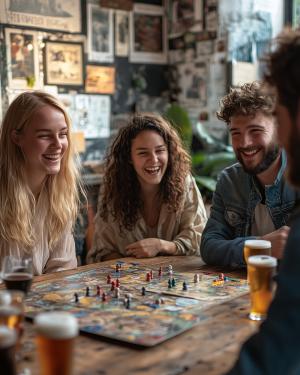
{"points": [[208, 349]]}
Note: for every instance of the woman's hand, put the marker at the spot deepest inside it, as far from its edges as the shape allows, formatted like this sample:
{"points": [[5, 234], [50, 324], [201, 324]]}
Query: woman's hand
{"points": [[150, 247]]}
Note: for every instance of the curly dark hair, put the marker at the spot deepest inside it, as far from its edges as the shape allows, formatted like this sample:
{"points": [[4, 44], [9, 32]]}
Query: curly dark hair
{"points": [[283, 69], [121, 195], [247, 100]]}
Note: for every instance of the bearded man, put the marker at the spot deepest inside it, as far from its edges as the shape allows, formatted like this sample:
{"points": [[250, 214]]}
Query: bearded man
{"points": [[252, 200]]}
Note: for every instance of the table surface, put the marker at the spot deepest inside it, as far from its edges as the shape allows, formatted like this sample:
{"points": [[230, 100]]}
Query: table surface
{"points": [[210, 348]]}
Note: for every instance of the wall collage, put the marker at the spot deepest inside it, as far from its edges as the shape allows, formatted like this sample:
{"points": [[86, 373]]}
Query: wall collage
{"points": [[100, 57]]}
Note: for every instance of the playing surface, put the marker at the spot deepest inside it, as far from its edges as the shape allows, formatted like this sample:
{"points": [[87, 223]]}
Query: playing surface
{"points": [[163, 312]]}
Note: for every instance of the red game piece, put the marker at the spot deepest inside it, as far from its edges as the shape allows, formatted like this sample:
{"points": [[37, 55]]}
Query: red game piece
{"points": [[118, 283], [112, 285], [108, 281], [160, 271], [148, 277]]}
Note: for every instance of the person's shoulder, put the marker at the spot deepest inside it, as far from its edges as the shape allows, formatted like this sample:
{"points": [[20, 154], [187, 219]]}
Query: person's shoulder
{"points": [[233, 173]]}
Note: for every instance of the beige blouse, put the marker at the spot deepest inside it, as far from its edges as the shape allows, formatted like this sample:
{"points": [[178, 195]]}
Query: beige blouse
{"points": [[184, 228], [61, 257]]}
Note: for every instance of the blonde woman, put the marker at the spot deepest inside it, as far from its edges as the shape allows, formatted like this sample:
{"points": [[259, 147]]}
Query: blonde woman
{"points": [[39, 183], [150, 203]]}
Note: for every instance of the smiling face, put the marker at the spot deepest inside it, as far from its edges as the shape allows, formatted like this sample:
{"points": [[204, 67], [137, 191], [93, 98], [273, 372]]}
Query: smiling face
{"points": [[254, 141], [43, 143], [149, 156]]}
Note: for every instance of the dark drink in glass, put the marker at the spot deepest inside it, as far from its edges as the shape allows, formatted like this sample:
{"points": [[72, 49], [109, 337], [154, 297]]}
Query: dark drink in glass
{"points": [[18, 281]]}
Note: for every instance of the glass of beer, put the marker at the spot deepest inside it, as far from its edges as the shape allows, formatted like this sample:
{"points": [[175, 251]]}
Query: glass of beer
{"points": [[12, 310], [17, 273], [8, 339], [56, 333], [256, 247], [261, 270]]}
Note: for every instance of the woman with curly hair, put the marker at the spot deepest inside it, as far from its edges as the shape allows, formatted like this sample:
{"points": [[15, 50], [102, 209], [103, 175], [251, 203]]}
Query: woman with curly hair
{"points": [[39, 183], [149, 203]]}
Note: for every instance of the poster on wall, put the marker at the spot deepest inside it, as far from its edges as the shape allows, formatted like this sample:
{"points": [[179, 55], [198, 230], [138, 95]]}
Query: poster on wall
{"points": [[90, 114], [100, 79], [184, 15], [100, 34], [63, 63], [60, 15], [22, 58], [122, 34], [148, 39], [193, 82]]}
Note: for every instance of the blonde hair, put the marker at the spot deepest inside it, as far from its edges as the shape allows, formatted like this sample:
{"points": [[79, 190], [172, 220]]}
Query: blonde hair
{"points": [[17, 203]]}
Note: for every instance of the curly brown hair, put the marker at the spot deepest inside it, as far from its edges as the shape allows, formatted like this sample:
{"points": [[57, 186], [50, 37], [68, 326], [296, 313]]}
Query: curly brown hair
{"points": [[121, 195], [283, 69], [247, 100]]}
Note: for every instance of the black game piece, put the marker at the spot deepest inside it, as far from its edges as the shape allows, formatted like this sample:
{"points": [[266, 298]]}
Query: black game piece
{"points": [[76, 297], [143, 291], [184, 286], [169, 283], [87, 292]]}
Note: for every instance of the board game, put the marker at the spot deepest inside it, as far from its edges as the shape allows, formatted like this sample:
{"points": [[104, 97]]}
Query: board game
{"points": [[132, 303]]}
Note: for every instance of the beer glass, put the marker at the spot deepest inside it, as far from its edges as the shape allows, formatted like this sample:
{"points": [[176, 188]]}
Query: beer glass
{"points": [[8, 339], [256, 247], [17, 273], [56, 333], [12, 310], [261, 270]]}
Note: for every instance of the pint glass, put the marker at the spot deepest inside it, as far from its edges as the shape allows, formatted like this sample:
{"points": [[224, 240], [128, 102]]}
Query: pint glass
{"points": [[11, 310], [56, 333], [8, 337], [261, 269], [256, 247]]}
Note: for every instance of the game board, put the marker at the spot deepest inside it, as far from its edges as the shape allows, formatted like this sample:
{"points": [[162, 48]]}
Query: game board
{"points": [[149, 319]]}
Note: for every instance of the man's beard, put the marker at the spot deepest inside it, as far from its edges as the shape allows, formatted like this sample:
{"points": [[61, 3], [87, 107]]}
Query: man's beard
{"points": [[270, 156], [294, 159]]}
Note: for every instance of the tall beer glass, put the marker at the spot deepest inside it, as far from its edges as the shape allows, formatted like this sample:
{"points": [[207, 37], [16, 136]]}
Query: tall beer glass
{"points": [[261, 270], [12, 310], [56, 333], [8, 339], [256, 247]]}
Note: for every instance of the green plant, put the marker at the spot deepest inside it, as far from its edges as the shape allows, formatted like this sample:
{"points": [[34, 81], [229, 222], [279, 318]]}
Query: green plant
{"points": [[179, 117]]}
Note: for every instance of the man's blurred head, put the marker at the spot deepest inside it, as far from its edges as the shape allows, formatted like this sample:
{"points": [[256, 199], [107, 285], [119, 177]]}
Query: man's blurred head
{"points": [[284, 75]]}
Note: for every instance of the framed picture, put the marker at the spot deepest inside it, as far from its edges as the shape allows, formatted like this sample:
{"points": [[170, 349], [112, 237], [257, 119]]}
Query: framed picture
{"points": [[90, 114], [148, 43], [100, 34], [22, 58], [122, 33], [185, 15], [100, 79], [60, 15], [63, 63]]}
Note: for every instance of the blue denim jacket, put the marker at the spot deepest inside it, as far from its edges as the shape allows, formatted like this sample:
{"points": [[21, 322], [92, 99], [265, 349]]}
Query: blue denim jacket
{"points": [[232, 213]]}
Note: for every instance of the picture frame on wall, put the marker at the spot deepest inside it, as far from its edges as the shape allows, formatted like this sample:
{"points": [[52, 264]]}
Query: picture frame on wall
{"points": [[148, 35], [121, 33], [100, 79], [185, 15], [59, 15], [63, 63], [22, 58], [100, 34]]}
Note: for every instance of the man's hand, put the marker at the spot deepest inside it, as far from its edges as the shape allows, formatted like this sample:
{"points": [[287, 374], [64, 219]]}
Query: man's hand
{"points": [[147, 248], [278, 240]]}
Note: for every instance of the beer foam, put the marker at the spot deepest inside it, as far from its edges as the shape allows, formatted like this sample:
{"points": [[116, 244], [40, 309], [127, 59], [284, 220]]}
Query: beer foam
{"points": [[56, 325], [5, 298], [258, 244], [8, 337], [262, 261]]}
